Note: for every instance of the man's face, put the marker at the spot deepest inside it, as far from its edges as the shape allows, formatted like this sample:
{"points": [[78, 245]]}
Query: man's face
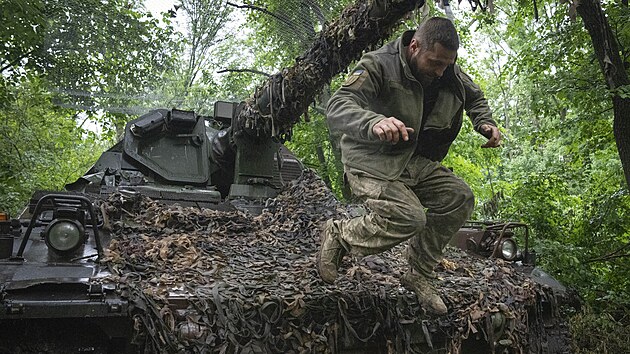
{"points": [[428, 64]]}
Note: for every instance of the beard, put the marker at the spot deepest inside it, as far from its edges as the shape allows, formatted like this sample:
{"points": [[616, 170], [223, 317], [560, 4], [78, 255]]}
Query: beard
{"points": [[414, 66]]}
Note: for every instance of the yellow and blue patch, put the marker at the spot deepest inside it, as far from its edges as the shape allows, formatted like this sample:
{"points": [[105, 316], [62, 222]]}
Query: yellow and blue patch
{"points": [[354, 78]]}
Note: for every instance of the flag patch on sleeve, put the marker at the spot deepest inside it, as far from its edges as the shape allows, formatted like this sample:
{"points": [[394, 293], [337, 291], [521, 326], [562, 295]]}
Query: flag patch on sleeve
{"points": [[354, 77]]}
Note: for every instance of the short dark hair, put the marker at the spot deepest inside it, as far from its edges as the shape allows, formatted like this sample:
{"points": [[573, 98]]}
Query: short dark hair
{"points": [[437, 30]]}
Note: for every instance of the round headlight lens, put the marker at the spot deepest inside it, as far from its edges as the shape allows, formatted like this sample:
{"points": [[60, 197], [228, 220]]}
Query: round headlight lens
{"points": [[64, 235], [508, 249]]}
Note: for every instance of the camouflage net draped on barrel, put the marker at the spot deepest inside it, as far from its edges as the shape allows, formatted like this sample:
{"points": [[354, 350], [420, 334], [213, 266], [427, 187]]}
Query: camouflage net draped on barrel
{"points": [[250, 284], [279, 103]]}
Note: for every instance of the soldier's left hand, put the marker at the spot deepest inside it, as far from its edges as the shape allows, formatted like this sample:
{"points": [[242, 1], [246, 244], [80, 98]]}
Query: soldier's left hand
{"points": [[493, 134]]}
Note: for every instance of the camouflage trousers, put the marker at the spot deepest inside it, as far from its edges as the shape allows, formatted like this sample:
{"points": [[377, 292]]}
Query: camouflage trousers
{"points": [[426, 205]]}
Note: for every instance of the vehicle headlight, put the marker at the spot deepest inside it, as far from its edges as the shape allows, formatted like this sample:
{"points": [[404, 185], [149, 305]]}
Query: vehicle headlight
{"points": [[508, 249], [64, 235]]}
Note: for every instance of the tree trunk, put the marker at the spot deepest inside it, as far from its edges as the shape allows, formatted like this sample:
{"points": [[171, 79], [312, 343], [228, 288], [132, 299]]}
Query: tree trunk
{"points": [[607, 51], [278, 104]]}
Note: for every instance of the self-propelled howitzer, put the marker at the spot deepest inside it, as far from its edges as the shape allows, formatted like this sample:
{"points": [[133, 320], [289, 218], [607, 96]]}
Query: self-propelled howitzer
{"points": [[185, 237]]}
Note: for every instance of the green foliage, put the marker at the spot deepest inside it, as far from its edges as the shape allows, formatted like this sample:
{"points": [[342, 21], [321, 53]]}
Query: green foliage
{"points": [[42, 145], [559, 170], [192, 84], [622, 91], [94, 55], [64, 63], [480, 168], [311, 144], [242, 75], [595, 333], [284, 29], [22, 33]]}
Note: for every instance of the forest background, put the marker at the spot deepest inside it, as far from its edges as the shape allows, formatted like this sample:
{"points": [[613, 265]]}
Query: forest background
{"points": [[75, 71]]}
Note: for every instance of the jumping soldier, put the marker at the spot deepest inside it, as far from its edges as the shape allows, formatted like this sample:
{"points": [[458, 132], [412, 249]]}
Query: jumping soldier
{"points": [[397, 115]]}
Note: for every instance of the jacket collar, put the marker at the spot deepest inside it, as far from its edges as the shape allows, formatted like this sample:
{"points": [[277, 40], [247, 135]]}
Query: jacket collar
{"points": [[403, 43]]}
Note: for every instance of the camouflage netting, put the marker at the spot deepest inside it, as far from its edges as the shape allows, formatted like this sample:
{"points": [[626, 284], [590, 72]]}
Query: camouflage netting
{"points": [[280, 102], [252, 286]]}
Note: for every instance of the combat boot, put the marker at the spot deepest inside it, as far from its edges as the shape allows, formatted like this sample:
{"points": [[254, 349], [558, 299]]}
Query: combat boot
{"points": [[428, 297], [330, 254]]}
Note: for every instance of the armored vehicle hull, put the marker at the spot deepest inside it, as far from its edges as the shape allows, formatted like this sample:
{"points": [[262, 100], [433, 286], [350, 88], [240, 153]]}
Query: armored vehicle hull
{"points": [[182, 238]]}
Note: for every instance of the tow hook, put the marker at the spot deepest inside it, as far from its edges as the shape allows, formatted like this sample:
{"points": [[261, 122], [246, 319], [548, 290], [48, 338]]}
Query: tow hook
{"points": [[95, 292]]}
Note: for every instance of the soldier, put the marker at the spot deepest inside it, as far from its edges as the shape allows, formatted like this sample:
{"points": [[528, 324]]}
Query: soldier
{"points": [[397, 115]]}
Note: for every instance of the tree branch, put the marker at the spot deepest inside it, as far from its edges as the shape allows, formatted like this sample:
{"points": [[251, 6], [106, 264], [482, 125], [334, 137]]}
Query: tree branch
{"points": [[607, 258], [17, 60], [612, 255], [611, 64], [244, 71], [280, 18]]}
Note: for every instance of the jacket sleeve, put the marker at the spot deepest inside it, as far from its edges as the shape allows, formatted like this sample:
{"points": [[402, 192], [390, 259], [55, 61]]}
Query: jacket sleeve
{"points": [[475, 103], [347, 111]]}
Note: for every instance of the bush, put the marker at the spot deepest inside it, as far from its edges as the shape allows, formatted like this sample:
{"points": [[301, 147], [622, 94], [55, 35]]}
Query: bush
{"points": [[599, 333]]}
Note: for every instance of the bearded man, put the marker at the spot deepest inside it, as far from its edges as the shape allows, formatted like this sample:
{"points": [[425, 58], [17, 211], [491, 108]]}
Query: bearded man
{"points": [[397, 114]]}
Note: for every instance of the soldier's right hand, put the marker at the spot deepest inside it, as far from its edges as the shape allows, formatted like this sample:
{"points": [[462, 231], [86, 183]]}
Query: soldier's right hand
{"points": [[391, 130]]}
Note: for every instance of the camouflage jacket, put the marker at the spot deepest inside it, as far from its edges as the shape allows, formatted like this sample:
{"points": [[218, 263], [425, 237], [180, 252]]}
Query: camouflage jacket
{"points": [[382, 86]]}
